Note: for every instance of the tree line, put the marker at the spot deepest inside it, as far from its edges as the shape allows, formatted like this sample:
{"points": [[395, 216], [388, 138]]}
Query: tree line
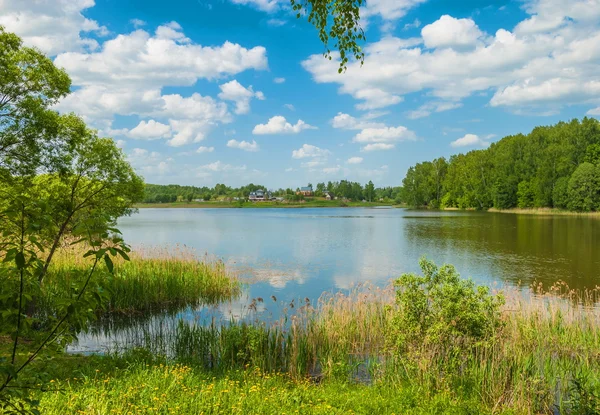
{"points": [[553, 166], [344, 189]]}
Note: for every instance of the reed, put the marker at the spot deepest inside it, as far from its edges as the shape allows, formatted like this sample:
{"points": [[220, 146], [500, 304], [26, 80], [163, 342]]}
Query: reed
{"points": [[153, 280], [550, 340]]}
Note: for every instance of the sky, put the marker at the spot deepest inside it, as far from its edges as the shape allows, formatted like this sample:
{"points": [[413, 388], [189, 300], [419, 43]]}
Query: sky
{"points": [[199, 92]]}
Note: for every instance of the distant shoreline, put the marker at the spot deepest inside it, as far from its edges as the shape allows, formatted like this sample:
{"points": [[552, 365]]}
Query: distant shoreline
{"points": [[543, 212], [262, 205]]}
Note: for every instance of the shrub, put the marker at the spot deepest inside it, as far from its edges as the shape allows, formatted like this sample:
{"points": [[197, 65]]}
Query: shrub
{"points": [[439, 310]]}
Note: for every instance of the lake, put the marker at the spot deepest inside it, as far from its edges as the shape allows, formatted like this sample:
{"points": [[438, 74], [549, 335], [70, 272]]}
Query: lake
{"points": [[297, 253]]}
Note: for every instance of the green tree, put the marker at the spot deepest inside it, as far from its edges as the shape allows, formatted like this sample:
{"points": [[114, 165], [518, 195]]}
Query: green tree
{"points": [[584, 188], [57, 179], [29, 85], [560, 193], [370, 191], [525, 195]]}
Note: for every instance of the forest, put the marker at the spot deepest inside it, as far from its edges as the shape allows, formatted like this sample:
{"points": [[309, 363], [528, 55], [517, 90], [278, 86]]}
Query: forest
{"points": [[551, 167], [343, 189]]}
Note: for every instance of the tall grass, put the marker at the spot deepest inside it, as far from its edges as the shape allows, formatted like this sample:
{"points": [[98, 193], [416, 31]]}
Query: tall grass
{"points": [[549, 342], [153, 280]]}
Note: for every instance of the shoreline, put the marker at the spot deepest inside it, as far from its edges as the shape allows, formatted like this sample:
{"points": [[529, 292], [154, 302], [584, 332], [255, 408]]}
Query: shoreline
{"points": [[260, 205]]}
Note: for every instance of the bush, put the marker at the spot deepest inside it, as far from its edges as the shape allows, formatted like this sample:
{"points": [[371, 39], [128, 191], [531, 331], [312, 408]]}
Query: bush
{"points": [[525, 195], [439, 310]]}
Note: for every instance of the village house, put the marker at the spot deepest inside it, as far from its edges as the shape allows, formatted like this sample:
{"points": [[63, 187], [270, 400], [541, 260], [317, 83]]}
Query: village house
{"points": [[259, 196], [305, 191]]}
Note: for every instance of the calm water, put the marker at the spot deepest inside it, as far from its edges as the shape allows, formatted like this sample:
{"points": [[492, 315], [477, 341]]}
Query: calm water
{"points": [[298, 253]]}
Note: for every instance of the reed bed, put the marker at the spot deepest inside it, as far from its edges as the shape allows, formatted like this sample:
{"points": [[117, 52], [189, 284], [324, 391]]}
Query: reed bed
{"points": [[154, 279], [549, 342]]}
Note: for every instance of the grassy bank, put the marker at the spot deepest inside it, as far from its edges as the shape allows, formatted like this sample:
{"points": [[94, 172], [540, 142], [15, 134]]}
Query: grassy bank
{"points": [[153, 280], [258, 205], [336, 357]]}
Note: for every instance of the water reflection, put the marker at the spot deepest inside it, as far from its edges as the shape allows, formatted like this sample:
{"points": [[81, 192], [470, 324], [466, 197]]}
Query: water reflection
{"points": [[292, 254]]}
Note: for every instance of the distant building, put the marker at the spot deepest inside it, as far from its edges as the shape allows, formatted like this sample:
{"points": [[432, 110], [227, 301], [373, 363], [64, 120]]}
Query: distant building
{"points": [[259, 196], [328, 195], [305, 191]]}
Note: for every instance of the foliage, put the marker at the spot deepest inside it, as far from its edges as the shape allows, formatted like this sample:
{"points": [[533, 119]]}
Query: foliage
{"points": [[57, 180], [584, 188], [337, 21], [527, 171], [29, 85], [439, 309]]}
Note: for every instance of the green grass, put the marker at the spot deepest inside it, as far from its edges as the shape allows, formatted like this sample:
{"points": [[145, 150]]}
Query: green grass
{"points": [[143, 385], [151, 281]]}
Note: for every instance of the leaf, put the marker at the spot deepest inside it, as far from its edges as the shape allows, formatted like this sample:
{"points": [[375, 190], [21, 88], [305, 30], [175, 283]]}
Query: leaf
{"points": [[109, 263], [20, 260]]}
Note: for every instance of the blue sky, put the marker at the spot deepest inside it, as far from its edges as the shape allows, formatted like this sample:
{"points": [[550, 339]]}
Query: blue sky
{"points": [[236, 91]]}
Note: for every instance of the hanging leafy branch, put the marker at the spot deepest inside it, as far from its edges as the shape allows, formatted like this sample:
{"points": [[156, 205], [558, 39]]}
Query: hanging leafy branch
{"points": [[338, 22]]}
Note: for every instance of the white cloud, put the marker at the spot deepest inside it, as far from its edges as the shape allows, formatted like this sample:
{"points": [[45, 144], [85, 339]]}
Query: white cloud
{"points": [[243, 145], [470, 140], [384, 135], [310, 151], [168, 58], [150, 130], [137, 23], [279, 125], [149, 163], [268, 6], [279, 80], [377, 147], [354, 160], [290, 107], [203, 149], [332, 170], [349, 122], [448, 31], [389, 10], [556, 64], [414, 25], [219, 166], [594, 111], [234, 91], [436, 106], [53, 26], [276, 22]]}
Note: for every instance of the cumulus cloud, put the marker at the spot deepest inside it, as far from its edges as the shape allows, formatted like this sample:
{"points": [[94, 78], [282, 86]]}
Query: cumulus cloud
{"points": [[470, 140], [126, 76], [203, 149], [448, 31], [53, 26], [384, 135], [167, 58], [137, 23], [268, 6], [389, 10], [377, 147], [243, 145], [279, 125], [219, 166], [550, 59], [234, 91], [354, 160], [310, 151], [348, 122], [150, 130]]}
